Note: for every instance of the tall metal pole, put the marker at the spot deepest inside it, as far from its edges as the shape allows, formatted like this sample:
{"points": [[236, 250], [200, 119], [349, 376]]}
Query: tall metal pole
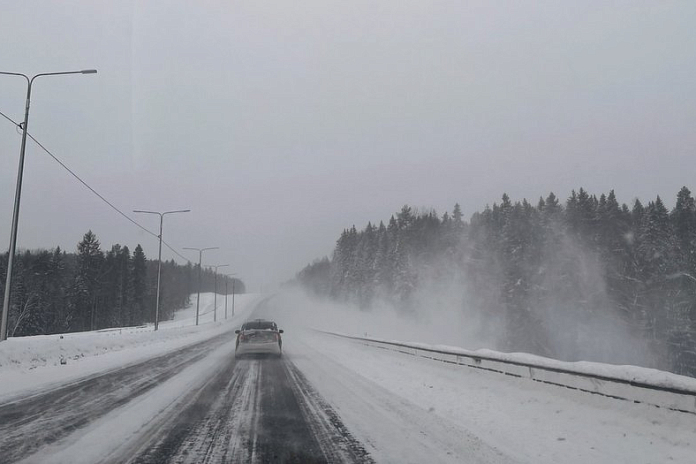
{"points": [[159, 273], [200, 261], [198, 297], [226, 292], [159, 256], [18, 194], [215, 305], [233, 297]]}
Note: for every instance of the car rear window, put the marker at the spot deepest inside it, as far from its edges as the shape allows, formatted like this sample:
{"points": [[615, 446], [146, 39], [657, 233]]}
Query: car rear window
{"points": [[259, 325]]}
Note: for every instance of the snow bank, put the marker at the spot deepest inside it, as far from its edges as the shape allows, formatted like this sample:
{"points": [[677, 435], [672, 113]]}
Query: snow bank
{"points": [[410, 409], [385, 326], [638, 384]]}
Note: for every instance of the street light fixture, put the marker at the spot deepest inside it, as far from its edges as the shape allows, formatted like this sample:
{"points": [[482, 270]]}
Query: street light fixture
{"points": [[200, 259], [226, 281], [215, 304], [159, 258], [18, 193]]}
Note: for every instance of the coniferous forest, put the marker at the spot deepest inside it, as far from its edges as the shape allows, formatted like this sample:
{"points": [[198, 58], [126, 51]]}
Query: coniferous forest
{"points": [[585, 279], [54, 291]]}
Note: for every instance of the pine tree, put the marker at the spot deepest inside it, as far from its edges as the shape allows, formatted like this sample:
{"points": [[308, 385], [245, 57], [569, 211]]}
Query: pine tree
{"points": [[366, 251], [123, 267], [85, 292], [457, 218], [383, 276], [657, 251], [683, 218], [682, 339], [56, 289], [405, 217], [138, 288], [538, 268]]}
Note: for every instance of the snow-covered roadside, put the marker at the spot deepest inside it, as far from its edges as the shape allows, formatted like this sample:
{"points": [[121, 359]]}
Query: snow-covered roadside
{"points": [[111, 437], [384, 324], [29, 364], [635, 374], [411, 408]]}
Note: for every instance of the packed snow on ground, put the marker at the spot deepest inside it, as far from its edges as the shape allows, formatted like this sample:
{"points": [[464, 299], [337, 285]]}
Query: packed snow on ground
{"points": [[386, 325], [628, 373], [412, 408], [408, 409], [402, 408], [33, 363], [111, 437]]}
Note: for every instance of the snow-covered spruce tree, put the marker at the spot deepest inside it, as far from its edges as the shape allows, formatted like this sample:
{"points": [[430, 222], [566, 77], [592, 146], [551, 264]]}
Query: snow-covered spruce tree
{"points": [[56, 289], [84, 293], [657, 251], [138, 288], [315, 277], [382, 276], [366, 252], [566, 280], [123, 277], [682, 338], [115, 280]]}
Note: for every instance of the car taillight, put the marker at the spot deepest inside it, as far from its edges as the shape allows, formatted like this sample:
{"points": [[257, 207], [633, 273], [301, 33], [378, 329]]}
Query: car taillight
{"points": [[242, 337]]}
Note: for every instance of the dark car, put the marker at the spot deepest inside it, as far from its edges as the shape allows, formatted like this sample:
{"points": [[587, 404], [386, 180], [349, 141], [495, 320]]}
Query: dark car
{"points": [[259, 336]]}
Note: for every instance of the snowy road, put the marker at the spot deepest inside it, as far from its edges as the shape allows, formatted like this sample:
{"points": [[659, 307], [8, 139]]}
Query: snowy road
{"points": [[327, 400], [30, 423], [196, 404], [254, 410]]}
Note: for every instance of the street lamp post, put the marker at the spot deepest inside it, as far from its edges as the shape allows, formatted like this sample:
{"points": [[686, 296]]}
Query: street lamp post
{"points": [[215, 304], [200, 259], [159, 258], [18, 193], [233, 297], [226, 281]]}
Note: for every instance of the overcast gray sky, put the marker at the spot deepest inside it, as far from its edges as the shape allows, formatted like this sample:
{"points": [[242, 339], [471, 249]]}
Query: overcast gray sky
{"points": [[281, 123]]}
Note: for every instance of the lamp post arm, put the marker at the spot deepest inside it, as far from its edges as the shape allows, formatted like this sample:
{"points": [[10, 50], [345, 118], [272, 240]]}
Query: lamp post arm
{"points": [[83, 71], [16, 74], [176, 211]]}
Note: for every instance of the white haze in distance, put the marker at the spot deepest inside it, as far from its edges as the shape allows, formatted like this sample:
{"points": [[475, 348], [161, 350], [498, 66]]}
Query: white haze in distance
{"points": [[281, 123], [577, 321]]}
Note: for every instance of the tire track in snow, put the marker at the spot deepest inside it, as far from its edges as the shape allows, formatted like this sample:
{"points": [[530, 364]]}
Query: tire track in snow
{"points": [[336, 442], [255, 410], [30, 423], [200, 422]]}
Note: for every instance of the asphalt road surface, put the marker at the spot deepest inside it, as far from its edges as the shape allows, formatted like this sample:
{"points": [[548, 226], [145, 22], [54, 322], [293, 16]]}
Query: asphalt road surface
{"points": [[258, 409], [28, 424]]}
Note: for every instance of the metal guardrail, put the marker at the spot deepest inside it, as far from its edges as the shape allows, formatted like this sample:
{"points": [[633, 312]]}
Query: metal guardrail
{"points": [[672, 398], [121, 329]]}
